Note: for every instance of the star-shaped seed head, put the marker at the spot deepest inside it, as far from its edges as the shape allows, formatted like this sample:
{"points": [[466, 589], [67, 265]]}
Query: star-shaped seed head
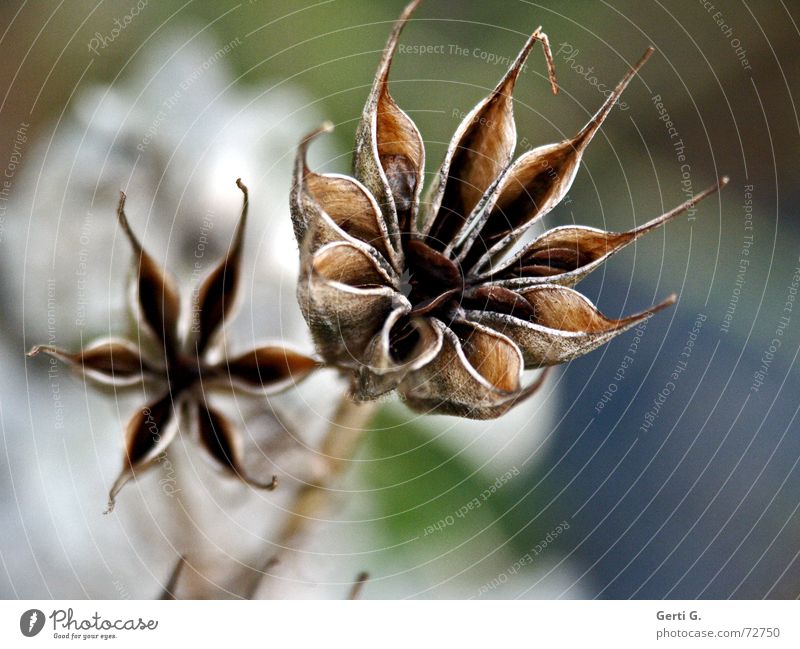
{"points": [[429, 297], [183, 370]]}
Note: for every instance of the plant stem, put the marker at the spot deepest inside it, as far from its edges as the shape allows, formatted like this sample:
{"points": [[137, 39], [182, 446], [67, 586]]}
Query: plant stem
{"points": [[341, 440]]}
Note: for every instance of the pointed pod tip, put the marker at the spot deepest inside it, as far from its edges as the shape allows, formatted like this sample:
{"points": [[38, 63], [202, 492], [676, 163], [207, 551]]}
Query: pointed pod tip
{"points": [[548, 57], [358, 585], [683, 207], [625, 323], [325, 127], [382, 76], [122, 219], [535, 36], [642, 60], [587, 133], [409, 9], [305, 142], [47, 349], [240, 229], [120, 482], [708, 191], [256, 484], [506, 84], [268, 486], [667, 302], [121, 205]]}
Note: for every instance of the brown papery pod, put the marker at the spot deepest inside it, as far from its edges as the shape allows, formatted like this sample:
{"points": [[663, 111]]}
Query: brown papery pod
{"points": [[561, 326], [268, 369], [532, 186], [147, 435], [224, 444], [565, 255], [334, 207], [480, 149], [216, 297], [110, 361], [389, 155], [156, 294]]}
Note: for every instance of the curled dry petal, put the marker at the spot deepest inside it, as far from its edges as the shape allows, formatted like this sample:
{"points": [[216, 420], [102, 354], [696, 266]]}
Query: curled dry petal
{"points": [[404, 344], [565, 255], [271, 368], [345, 263], [300, 215], [345, 296], [476, 374], [480, 149], [113, 361], [156, 295], [217, 294], [533, 185], [389, 155], [432, 272], [563, 326], [332, 207], [147, 435], [224, 444]]}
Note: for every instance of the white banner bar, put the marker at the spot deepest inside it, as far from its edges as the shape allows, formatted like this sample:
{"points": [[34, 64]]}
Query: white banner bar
{"points": [[373, 624]]}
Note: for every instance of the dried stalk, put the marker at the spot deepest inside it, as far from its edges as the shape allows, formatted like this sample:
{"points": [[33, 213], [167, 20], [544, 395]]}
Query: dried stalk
{"points": [[341, 440]]}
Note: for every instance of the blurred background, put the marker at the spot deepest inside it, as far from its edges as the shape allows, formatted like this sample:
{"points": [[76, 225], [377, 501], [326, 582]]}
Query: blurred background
{"points": [[664, 465]]}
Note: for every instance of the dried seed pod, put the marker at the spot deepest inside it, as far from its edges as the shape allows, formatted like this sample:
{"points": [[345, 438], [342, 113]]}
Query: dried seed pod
{"points": [[268, 369], [436, 312], [533, 185], [217, 293], [224, 444], [156, 295], [148, 434], [389, 155], [333, 207], [185, 371], [479, 151], [110, 361], [563, 324], [566, 254]]}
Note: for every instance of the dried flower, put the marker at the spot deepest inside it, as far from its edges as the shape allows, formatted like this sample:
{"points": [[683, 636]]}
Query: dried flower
{"points": [[422, 296], [184, 367]]}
